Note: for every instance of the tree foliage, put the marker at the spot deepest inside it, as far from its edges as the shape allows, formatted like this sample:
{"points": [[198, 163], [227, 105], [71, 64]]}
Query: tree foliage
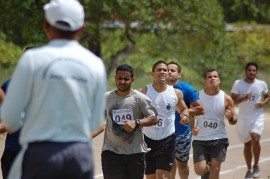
{"points": [[141, 32], [246, 10]]}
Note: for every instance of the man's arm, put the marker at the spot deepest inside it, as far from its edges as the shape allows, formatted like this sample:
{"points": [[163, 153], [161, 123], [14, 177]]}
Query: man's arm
{"points": [[99, 131], [196, 108], [263, 102], [2, 95], [182, 108], [237, 100], [130, 125], [230, 113], [2, 126]]}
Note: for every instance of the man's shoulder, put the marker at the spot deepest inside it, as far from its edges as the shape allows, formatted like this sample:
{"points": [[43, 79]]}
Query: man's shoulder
{"points": [[109, 93], [260, 81], [184, 85]]}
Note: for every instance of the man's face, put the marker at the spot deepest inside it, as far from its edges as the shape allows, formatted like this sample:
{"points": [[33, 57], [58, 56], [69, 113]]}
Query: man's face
{"points": [[160, 73], [173, 73], [123, 80], [251, 72], [212, 79]]}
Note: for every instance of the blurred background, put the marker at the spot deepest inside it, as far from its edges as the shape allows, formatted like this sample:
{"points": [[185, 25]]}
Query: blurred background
{"points": [[220, 34]]}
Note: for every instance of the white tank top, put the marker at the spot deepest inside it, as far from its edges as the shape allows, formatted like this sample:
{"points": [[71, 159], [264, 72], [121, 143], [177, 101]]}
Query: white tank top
{"points": [[165, 104], [211, 125]]}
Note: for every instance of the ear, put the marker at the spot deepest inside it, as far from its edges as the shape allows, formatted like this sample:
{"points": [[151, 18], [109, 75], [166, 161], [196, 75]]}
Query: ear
{"points": [[81, 30], [133, 79], [179, 75], [47, 28]]}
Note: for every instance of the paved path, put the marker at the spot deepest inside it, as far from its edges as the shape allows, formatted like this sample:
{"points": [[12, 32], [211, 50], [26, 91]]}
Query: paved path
{"points": [[233, 168]]}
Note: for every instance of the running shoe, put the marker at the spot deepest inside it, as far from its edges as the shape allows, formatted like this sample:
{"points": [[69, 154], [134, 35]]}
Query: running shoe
{"points": [[248, 175], [256, 171]]}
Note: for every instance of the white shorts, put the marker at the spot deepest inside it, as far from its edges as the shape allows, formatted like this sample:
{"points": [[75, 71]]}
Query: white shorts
{"points": [[245, 127]]}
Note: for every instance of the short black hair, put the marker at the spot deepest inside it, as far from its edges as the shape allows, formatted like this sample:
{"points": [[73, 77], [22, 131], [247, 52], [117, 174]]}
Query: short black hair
{"points": [[125, 67], [252, 64], [209, 70], [157, 63], [179, 69], [29, 47], [63, 33]]}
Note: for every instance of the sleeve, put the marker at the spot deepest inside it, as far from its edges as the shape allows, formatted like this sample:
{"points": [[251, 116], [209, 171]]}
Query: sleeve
{"points": [[265, 88], [147, 107], [235, 87], [18, 94], [193, 95], [98, 109], [5, 86]]}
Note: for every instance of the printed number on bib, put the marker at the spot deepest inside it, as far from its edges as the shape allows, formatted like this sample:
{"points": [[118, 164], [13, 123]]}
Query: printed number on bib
{"points": [[122, 114], [160, 122], [210, 124]]}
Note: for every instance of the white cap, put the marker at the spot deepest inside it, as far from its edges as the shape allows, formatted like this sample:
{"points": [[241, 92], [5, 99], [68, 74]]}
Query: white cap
{"points": [[65, 15]]}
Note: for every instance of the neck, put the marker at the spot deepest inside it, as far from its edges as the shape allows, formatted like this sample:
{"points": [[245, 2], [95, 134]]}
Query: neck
{"points": [[212, 91], [249, 80], [123, 93], [173, 83], [160, 87]]}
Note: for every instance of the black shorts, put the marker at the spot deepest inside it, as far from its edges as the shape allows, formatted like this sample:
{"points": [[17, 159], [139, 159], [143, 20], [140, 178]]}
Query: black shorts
{"points": [[161, 155], [63, 160], [121, 166], [205, 150]]}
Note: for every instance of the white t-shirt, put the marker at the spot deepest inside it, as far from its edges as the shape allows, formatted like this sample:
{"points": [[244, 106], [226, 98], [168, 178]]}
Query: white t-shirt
{"points": [[165, 103], [247, 108]]}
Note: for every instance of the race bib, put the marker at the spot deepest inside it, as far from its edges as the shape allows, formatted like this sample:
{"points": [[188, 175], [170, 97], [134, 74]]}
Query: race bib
{"points": [[207, 124], [122, 114], [160, 123]]}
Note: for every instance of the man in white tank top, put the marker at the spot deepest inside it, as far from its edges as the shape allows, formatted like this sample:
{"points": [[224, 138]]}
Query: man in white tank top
{"points": [[248, 94], [160, 137], [210, 140]]}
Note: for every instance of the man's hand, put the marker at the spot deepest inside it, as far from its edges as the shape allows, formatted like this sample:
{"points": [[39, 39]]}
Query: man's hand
{"points": [[184, 119], [129, 125], [195, 131], [247, 96], [228, 113]]}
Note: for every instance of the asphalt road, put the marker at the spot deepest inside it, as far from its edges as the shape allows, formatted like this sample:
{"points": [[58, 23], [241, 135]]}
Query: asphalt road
{"points": [[233, 168]]}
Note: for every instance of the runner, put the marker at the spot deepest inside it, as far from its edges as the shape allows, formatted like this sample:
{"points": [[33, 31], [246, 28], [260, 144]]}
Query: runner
{"points": [[211, 142], [251, 94], [160, 137], [127, 112]]}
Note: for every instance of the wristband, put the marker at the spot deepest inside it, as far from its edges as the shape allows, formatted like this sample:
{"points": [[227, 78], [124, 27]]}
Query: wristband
{"points": [[138, 122]]}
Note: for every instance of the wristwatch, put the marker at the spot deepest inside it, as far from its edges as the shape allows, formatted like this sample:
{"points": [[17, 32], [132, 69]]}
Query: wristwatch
{"points": [[138, 122]]}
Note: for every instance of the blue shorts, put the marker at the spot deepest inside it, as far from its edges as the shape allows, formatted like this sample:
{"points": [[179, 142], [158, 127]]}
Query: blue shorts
{"points": [[182, 146]]}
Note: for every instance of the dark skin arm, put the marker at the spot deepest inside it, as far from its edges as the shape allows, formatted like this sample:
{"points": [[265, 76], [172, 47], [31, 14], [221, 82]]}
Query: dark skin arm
{"points": [[2, 126], [196, 108], [130, 125], [182, 108], [99, 131], [230, 113]]}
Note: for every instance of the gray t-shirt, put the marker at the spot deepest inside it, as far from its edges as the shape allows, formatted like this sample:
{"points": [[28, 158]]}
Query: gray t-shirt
{"points": [[133, 106]]}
